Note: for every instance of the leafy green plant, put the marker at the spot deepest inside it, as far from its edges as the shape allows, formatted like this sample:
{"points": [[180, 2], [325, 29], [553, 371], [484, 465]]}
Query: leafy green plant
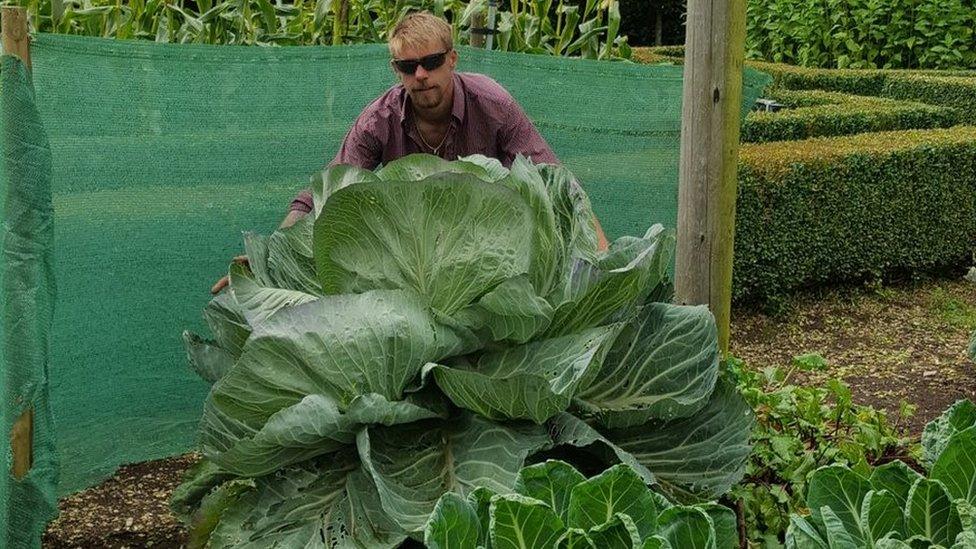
{"points": [[863, 34], [894, 506], [590, 30], [799, 429], [554, 505], [431, 328]]}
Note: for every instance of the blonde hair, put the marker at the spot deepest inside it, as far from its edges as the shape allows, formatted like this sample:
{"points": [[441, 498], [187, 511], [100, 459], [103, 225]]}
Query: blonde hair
{"points": [[418, 29]]}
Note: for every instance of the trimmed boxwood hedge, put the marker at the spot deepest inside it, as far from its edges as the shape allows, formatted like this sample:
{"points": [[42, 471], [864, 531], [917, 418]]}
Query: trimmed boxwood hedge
{"points": [[956, 92], [819, 113], [848, 209]]}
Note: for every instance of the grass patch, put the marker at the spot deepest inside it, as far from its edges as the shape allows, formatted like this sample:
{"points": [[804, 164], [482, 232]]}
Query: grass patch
{"points": [[952, 310]]}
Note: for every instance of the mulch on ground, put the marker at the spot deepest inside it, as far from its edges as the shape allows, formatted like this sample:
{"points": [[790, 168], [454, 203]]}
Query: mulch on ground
{"points": [[891, 345]]}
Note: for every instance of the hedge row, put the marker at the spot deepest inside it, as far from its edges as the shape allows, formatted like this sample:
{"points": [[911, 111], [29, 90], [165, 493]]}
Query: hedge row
{"points": [[955, 92], [848, 209], [819, 113]]}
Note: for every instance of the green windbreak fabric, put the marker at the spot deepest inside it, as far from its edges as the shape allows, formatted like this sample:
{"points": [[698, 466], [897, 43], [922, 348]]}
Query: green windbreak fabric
{"points": [[163, 154], [27, 303]]}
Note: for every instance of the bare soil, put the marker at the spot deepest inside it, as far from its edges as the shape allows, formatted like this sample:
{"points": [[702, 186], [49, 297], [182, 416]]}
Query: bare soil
{"points": [[891, 345]]}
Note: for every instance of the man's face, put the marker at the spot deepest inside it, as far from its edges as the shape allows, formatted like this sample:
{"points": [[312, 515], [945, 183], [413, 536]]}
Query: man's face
{"points": [[427, 89]]}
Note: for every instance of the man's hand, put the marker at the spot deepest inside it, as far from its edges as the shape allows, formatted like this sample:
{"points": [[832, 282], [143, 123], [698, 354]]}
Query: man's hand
{"points": [[223, 282]]}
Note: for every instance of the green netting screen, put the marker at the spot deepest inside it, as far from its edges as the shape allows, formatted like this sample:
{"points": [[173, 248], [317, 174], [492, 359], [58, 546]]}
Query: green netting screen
{"points": [[161, 155]]}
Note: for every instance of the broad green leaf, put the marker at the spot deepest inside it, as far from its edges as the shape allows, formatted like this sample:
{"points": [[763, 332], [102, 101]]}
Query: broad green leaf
{"points": [[891, 543], [619, 532], [656, 542], [417, 167], [449, 238], [956, 465], [320, 503], [511, 311], [212, 505], [803, 535], [957, 417], [567, 429], [882, 515], [663, 365], [258, 302], [338, 347], [725, 523], [895, 477], [617, 490], [480, 501], [206, 358], [607, 290], [330, 180], [520, 522], [197, 482], [574, 215], [931, 514], [550, 482], [842, 491], [575, 538], [256, 250], [492, 166], [687, 527], [532, 381], [453, 524], [965, 540], [838, 537], [312, 427], [290, 264], [227, 323], [414, 465], [922, 542], [697, 457]]}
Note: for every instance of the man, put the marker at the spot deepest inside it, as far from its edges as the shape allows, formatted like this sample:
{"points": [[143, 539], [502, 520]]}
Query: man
{"points": [[433, 110]]}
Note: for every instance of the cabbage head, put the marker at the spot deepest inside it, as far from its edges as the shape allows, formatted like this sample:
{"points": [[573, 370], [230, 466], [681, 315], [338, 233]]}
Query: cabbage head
{"points": [[433, 327]]}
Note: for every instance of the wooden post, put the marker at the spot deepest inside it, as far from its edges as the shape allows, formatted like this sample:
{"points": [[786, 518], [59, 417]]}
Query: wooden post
{"points": [[712, 99], [477, 38], [16, 40]]}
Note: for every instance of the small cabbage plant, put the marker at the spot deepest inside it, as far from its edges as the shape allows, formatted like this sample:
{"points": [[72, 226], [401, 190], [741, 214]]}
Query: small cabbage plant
{"points": [[554, 505], [897, 507], [431, 328]]}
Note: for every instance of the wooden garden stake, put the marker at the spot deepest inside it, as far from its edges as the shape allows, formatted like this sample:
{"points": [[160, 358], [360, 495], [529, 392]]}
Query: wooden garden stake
{"points": [[712, 99], [16, 40]]}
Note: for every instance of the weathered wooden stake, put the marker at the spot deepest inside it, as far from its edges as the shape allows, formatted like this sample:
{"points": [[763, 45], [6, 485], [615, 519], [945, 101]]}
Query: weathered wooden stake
{"points": [[714, 51], [16, 40]]}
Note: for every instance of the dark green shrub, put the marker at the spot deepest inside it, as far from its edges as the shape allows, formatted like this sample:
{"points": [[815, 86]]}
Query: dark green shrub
{"points": [[817, 113], [846, 209], [956, 92]]}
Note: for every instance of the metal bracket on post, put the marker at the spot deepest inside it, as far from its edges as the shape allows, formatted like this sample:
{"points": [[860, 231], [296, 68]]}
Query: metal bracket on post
{"points": [[16, 41]]}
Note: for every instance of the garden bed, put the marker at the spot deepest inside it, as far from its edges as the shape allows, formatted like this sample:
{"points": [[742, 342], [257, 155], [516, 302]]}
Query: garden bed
{"points": [[891, 345]]}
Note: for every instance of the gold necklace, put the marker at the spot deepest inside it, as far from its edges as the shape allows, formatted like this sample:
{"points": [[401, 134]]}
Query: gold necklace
{"points": [[432, 149]]}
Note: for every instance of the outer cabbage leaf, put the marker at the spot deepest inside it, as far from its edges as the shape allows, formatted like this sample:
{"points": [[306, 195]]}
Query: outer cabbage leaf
{"points": [[334, 178], [619, 532], [227, 324], [206, 357], [257, 302], [339, 347], [609, 290], [663, 365], [290, 265], [881, 515], [842, 491], [803, 535], [725, 523], [956, 465], [532, 381], [566, 429], [512, 311], [551, 482], [895, 477], [697, 457], [618, 490], [931, 514], [520, 522], [319, 504], [449, 240], [574, 215], [453, 524], [416, 167], [414, 465], [961, 415], [687, 527]]}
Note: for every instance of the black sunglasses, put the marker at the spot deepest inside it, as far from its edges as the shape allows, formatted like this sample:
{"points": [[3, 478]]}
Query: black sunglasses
{"points": [[428, 62]]}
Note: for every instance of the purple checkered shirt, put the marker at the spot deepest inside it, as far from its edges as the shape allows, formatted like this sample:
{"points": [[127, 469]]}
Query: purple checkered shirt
{"points": [[485, 119]]}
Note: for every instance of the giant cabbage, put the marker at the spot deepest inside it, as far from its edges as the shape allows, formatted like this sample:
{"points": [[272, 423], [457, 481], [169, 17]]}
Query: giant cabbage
{"points": [[431, 328]]}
